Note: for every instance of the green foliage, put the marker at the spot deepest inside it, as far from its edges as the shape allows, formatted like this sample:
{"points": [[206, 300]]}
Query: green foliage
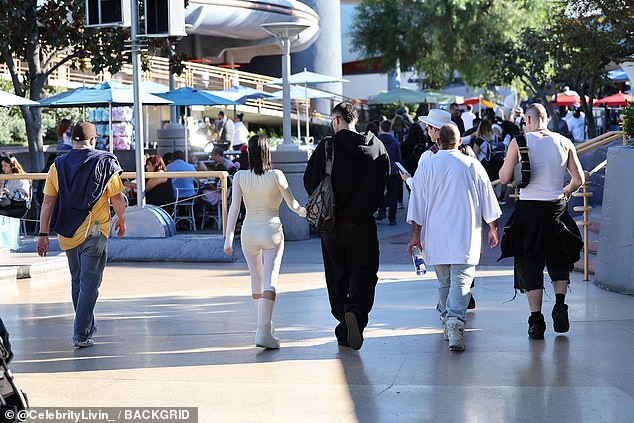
{"points": [[438, 37], [46, 34], [590, 36], [628, 120]]}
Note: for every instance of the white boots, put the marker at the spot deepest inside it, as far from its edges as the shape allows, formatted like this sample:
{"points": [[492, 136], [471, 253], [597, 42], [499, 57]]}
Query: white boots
{"points": [[263, 335]]}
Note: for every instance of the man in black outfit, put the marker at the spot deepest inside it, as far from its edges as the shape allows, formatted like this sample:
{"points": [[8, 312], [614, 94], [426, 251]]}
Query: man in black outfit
{"points": [[350, 251], [454, 109]]}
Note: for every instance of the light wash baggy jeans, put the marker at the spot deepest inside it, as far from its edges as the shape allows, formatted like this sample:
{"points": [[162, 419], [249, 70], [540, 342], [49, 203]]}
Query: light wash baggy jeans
{"points": [[454, 288], [87, 262]]}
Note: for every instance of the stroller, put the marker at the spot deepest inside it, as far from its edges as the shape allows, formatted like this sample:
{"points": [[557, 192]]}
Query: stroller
{"points": [[12, 399]]}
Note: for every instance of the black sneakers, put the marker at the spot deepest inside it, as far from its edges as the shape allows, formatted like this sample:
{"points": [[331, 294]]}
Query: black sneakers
{"points": [[561, 323], [536, 327], [355, 338]]}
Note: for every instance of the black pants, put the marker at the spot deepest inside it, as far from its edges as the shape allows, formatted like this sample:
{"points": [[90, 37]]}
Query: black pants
{"points": [[351, 263], [390, 199], [15, 209]]}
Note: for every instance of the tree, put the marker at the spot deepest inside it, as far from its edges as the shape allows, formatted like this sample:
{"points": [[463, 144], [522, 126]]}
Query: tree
{"points": [[45, 37], [47, 34], [591, 35], [527, 61], [438, 37]]}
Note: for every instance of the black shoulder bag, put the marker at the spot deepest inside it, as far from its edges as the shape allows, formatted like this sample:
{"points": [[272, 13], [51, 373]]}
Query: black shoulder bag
{"points": [[320, 209]]}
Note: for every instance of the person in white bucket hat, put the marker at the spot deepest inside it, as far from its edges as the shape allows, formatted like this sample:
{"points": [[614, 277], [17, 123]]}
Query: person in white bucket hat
{"points": [[436, 118]]}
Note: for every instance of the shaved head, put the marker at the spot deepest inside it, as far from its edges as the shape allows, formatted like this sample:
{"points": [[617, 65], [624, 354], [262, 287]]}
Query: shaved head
{"points": [[449, 137], [536, 117], [537, 111]]}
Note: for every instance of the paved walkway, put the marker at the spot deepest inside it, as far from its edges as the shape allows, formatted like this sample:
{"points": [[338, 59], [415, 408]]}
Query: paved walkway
{"points": [[182, 335]]}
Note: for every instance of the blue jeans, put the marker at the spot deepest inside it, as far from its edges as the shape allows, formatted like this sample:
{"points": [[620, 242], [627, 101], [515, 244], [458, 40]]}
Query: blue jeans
{"points": [[86, 262], [454, 289]]}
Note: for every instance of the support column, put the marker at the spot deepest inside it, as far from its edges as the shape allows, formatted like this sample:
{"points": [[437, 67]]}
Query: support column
{"points": [[615, 258], [293, 164], [324, 55]]}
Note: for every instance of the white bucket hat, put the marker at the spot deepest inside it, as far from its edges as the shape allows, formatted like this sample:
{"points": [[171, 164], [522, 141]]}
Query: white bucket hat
{"points": [[437, 118]]}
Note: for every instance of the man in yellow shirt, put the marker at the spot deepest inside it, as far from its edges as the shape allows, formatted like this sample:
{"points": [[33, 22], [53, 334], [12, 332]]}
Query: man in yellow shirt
{"points": [[79, 189]]}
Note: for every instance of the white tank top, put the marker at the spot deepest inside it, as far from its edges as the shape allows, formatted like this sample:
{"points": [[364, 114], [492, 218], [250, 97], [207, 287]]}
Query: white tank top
{"points": [[549, 158]]}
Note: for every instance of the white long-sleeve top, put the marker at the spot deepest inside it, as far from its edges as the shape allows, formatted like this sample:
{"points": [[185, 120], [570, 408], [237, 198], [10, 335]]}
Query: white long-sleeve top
{"points": [[451, 195], [262, 196]]}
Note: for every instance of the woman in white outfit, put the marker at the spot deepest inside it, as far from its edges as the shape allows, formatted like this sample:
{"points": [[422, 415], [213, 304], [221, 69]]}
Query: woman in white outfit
{"points": [[262, 238]]}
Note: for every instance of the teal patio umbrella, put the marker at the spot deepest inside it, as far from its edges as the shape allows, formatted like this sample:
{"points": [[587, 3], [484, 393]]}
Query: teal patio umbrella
{"points": [[105, 94], [398, 96]]}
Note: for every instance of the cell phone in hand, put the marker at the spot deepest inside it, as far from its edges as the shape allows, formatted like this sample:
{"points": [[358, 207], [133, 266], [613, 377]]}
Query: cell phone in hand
{"points": [[401, 167]]}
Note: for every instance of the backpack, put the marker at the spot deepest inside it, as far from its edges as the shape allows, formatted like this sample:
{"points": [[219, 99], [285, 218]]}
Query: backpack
{"points": [[320, 209], [418, 151], [495, 150]]}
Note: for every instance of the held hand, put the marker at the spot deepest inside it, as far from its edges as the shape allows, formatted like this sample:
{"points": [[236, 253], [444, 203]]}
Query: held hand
{"points": [[119, 227], [302, 212], [42, 246], [494, 238], [404, 175], [412, 243]]}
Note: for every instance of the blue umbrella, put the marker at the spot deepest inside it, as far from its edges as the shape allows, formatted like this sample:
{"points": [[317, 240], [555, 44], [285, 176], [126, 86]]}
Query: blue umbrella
{"points": [[188, 96], [54, 100], [241, 94], [105, 94], [154, 87], [618, 75]]}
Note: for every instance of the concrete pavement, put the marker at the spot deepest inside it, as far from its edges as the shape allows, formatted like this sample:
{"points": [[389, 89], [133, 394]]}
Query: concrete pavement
{"points": [[180, 334]]}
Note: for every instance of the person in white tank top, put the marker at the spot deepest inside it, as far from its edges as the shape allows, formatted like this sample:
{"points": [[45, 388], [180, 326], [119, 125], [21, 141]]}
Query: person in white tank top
{"points": [[541, 232], [262, 189]]}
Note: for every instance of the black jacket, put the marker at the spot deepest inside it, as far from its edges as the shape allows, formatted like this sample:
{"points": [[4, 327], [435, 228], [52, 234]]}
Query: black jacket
{"points": [[360, 170], [540, 228]]}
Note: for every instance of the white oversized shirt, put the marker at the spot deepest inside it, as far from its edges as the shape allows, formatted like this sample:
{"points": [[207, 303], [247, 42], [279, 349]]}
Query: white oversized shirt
{"points": [[451, 194]]}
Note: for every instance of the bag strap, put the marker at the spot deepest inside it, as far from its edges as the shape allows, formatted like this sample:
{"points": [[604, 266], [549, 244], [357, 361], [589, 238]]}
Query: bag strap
{"points": [[330, 156], [521, 143], [525, 160]]}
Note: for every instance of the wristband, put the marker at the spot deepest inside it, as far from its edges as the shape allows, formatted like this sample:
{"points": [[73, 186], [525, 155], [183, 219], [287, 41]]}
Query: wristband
{"points": [[43, 234]]}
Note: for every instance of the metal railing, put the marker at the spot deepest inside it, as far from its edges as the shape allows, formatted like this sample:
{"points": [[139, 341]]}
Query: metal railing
{"points": [[195, 75], [600, 141], [585, 223], [222, 175]]}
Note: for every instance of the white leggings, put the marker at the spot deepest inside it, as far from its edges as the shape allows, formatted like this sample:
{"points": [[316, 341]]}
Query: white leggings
{"points": [[263, 248]]}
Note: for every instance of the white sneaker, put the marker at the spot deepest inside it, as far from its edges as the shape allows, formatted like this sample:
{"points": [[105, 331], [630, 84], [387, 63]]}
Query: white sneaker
{"points": [[84, 344], [455, 333], [443, 322]]}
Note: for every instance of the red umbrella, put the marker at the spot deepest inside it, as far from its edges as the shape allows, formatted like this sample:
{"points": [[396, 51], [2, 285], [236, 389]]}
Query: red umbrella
{"points": [[565, 99], [615, 100], [478, 100]]}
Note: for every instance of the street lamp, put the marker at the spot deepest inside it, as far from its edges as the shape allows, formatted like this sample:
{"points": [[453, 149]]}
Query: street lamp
{"points": [[286, 32]]}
